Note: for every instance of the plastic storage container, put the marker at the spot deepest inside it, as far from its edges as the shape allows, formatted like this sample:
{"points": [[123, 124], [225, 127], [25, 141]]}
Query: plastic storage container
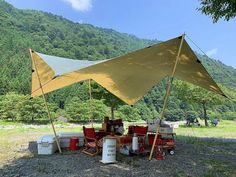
{"points": [[65, 139], [47, 145]]}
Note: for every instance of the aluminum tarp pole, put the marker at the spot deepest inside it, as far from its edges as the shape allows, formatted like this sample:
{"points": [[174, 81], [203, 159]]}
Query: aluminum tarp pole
{"points": [[45, 102], [167, 94]]}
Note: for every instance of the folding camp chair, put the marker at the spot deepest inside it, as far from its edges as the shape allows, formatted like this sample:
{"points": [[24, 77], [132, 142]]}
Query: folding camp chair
{"points": [[93, 144]]}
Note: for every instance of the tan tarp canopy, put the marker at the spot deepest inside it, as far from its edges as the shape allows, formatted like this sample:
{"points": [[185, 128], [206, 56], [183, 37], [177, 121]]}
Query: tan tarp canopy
{"points": [[130, 76]]}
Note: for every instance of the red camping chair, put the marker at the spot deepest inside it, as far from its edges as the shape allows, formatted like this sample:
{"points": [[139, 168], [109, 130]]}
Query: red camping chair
{"points": [[93, 144], [141, 132]]}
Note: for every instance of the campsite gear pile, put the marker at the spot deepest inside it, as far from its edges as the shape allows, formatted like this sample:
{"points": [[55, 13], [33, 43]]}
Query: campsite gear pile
{"points": [[113, 126], [109, 141], [69, 140]]}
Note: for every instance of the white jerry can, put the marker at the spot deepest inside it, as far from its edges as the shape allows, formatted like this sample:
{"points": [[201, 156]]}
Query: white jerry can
{"points": [[109, 150]]}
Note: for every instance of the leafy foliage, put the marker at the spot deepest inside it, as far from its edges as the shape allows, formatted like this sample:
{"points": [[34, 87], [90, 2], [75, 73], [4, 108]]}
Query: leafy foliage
{"points": [[10, 105], [55, 35], [18, 107], [33, 110], [127, 112], [78, 110], [197, 95], [219, 9]]}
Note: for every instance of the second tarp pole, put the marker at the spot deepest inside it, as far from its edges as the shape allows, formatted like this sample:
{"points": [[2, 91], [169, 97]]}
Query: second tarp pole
{"points": [[167, 94], [90, 103], [46, 104]]}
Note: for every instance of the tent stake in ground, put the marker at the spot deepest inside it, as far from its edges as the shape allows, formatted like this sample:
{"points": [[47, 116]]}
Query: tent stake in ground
{"points": [[45, 102], [167, 94]]}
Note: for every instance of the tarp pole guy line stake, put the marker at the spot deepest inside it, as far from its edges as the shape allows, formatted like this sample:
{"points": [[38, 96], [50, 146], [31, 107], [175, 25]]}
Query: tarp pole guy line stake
{"points": [[167, 94], [45, 102]]}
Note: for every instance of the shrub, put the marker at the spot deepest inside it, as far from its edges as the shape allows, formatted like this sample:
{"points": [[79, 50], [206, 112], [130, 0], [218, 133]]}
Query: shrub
{"points": [[34, 109], [10, 105], [229, 116]]}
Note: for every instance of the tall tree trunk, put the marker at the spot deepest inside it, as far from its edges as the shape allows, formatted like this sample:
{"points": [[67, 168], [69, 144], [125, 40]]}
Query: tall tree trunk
{"points": [[32, 118], [112, 112], [204, 113]]}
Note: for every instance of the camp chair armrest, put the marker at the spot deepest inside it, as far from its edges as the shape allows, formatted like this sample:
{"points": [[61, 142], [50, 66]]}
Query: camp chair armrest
{"points": [[94, 139]]}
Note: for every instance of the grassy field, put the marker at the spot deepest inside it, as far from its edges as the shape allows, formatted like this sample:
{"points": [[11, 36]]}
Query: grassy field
{"points": [[225, 129], [14, 141]]}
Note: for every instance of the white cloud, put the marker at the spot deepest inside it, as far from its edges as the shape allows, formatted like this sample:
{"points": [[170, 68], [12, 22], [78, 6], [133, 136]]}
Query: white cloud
{"points": [[80, 5], [211, 52]]}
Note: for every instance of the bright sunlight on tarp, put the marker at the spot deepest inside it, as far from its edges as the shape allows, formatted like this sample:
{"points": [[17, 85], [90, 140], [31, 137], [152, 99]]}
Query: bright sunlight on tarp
{"points": [[129, 77]]}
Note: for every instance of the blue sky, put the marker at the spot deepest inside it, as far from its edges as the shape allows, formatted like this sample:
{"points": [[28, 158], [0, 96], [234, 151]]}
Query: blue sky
{"points": [[149, 19]]}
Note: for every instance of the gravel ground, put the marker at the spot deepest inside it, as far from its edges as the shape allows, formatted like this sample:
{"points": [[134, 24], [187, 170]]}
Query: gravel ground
{"points": [[190, 159]]}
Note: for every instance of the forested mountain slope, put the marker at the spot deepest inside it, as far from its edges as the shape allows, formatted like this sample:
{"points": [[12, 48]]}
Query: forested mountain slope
{"points": [[55, 35], [50, 34]]}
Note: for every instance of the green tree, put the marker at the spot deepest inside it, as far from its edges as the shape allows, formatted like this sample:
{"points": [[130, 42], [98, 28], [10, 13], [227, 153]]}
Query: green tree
{"points": [[144, 111], [34, 109], [110, 100], [218, 9], [193, 94], [174, 114], [128, 113], [78, 110], [10, 105]]}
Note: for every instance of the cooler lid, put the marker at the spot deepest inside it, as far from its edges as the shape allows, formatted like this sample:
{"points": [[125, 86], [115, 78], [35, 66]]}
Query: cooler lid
{"points": [[70, 134], [46, 139]]}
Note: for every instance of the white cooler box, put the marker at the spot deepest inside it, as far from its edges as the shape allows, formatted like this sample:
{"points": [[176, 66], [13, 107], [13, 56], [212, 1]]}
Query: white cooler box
{"points": [[47, 145], [65, 139]]}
